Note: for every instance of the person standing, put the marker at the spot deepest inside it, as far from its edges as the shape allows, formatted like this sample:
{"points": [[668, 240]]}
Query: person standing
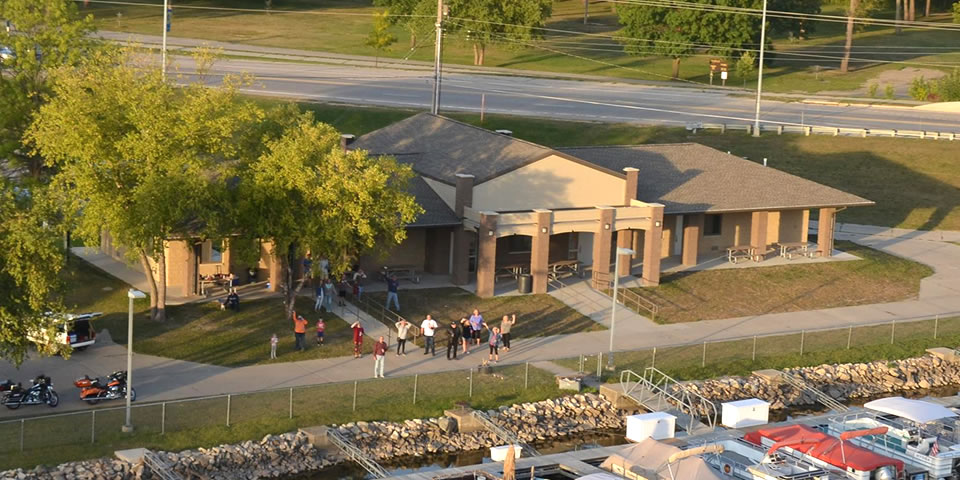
{"points": [[274, 341], [357, 339], [403, 329], [428, 327], [300, 331], [505, 325], [379, 352], [308, 269], [465, 331], [495, 339], [476, 325], [324, 268], [392, 285], [329, 291], [320, 298], [320, 328], [358, 279], [453, 339], [342, 293]]}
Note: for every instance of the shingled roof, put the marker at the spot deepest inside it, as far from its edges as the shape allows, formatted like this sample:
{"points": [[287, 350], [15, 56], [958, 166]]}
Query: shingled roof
{"points": [[436, 212], [440, 148], [692, 178]]}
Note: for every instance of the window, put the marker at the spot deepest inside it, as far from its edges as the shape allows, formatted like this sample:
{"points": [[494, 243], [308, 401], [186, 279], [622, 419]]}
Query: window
{"points": [[713, 225], [211, 252], [519, 244]]}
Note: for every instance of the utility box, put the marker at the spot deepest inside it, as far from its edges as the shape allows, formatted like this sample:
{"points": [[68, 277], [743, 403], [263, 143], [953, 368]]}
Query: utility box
{"points": [[656, 425], [499, 454], [745, 413]]}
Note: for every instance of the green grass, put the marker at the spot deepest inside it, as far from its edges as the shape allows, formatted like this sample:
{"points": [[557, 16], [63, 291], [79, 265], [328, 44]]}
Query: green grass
{"points": [[342, 26], [201, 332], [537, 315], [916, 184], [740, 292]]}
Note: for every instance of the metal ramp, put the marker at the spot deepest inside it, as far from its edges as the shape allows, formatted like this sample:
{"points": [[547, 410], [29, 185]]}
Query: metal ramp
{"points": [[822, 398], [159, 467], [505, 435], [355, 454], [658, 392]]}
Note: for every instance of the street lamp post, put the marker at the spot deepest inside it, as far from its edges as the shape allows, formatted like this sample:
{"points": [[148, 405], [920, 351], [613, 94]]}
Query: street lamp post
{"points": [[763, 39], [613, 308], [131, 295], [166, 26]]}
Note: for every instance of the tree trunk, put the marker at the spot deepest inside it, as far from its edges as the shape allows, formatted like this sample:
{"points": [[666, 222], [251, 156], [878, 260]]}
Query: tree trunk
{"points": [[911, 10], [898, 16], [413, 40], [926, 11], [151, 282], [290, 285], [845, 63], [479, 50], [161, 314], [676, 68]]}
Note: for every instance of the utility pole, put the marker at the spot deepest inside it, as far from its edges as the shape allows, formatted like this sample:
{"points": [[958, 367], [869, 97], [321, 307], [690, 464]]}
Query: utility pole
{"points": [[586, 11], [166, 26], [763, 38], [437, 53]]}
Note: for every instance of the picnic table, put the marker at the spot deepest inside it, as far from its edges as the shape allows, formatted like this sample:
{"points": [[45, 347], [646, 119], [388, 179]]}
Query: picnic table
{"points": [[789, 249], [740, 252], [222, 280], [572, 267], [512, 271], [402, 272]]}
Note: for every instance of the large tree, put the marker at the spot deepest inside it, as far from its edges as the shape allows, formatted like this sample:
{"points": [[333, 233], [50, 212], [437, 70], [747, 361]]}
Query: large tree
{"points": [[138, 157], [304, 193], [42, 35], [857, 8], [416, 16], [798, 28], [486, 22], [30, 261], [677, 33]]}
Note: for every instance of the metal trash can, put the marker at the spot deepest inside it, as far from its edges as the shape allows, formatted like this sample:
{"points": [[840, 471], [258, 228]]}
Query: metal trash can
{"points": [[525, 283]]}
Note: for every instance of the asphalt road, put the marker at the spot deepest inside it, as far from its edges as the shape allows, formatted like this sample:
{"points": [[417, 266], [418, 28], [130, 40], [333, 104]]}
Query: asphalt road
{"points": [[560, 99]]}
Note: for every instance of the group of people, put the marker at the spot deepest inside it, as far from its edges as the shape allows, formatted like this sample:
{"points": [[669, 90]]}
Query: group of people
{"points": [[326, 290], [459, 334]]}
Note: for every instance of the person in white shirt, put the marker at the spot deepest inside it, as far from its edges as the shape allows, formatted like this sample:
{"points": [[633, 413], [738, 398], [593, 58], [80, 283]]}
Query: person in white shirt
{"points": [[403, 329], [428, 328]]}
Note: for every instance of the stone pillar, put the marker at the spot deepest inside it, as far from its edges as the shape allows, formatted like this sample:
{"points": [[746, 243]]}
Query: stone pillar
{"points": [[692, 228], [486, 254], [625, 240], [630, 191], [651, 249], [603, 239], [825, 231], [461, 237], [758, 232], [540, 250]]}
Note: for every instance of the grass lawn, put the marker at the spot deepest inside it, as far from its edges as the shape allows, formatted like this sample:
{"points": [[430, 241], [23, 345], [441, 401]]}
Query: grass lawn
{"points": [[342, 26], [201, 332], [738, 292], [537, 315]]}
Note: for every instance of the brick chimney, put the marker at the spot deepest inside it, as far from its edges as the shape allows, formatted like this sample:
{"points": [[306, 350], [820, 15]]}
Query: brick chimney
{"points": [[630, 191]]}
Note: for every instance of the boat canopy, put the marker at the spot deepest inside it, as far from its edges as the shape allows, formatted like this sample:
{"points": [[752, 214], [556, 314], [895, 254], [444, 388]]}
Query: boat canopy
{"points": [[649, 459], [917, 411], [814, 443]]}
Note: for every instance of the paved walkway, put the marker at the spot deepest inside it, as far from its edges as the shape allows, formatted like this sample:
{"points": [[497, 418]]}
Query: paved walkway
{"points": [[161, 379]]}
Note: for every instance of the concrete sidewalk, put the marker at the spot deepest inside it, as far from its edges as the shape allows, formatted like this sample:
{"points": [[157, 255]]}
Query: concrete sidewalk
{"points": [[163, 379]]}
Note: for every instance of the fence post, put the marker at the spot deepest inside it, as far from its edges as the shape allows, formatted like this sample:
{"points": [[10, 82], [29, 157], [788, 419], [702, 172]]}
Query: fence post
{"points": [[600, 366], [471, 384], [703, 358], [580, 370], [526, 374], [803, 336], [936, 325], [754, 357], [291, 403], [849, 336], [416, 379], [21, 434], [228, 409], [163, 418], [355, 395], [893, 331], [653, 361], [93, 426]]}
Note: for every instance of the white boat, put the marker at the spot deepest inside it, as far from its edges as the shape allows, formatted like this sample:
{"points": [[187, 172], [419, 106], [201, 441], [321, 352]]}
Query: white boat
{"points": [[922, 434]]}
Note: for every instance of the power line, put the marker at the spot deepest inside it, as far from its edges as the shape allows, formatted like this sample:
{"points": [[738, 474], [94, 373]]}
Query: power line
{"points": [[249, 10]]}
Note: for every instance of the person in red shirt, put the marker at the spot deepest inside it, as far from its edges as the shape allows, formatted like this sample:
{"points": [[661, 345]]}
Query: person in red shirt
{"points": [[320, 328], [357, 339], [300, 331], [379, 352]]}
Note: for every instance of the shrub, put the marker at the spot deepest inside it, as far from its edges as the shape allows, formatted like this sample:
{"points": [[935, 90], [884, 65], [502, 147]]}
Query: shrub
{"points": [[948, 86], [956, 12], [746, 65], [888, 92], [921, 89], [872, 90]]}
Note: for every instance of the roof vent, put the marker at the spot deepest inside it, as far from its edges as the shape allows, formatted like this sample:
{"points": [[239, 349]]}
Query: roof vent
{"points": [[346, 139], [508, 133]]}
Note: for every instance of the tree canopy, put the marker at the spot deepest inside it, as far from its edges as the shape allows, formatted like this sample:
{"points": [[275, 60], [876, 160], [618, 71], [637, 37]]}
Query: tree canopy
{"points": [[486, 22], [416, 16]]}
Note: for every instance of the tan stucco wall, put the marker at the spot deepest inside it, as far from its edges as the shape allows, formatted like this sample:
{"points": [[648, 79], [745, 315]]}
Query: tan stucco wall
{"points": [[411, 252], [792, 226], [553, 182], [667, 239], [180, 270], [447, 193]]}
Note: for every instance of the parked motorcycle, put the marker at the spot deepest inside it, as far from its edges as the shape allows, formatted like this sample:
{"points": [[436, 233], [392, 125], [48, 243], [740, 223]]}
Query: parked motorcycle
{"points": [[40, 392], [92, 390]]}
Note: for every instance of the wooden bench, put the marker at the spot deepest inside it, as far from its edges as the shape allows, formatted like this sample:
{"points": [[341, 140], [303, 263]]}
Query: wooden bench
{"points": [[402, 272], [790, 249]]}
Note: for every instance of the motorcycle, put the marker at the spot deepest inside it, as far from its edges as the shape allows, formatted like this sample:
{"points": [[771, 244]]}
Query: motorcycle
{"points": [[92, 390], [40, 392]]}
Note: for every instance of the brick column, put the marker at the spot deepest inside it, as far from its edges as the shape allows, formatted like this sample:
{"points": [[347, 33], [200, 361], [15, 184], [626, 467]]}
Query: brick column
{"points": [[630, 189], [651, 249], [540, 250], [758, 232], [693, 225], [625, 240], [486, 254], [461, 238], [603, 239], [825, 231]]}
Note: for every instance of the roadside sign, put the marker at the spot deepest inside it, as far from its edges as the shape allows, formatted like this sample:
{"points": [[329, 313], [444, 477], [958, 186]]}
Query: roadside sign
{"points": [[723, 75], [715, 64]]}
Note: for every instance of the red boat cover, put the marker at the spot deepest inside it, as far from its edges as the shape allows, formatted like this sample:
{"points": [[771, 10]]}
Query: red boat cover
{"points": [[824, 447]]}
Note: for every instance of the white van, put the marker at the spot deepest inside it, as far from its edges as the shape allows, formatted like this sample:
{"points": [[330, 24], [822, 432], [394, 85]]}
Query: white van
{"points": [[76, 330]]}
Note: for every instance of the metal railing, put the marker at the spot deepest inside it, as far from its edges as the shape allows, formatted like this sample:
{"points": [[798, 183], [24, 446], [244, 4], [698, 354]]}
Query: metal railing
{"points": [[656, 391], [159, 467], [823, 398], [356, 455], [603, 282], [808, 130], [506, 436]]}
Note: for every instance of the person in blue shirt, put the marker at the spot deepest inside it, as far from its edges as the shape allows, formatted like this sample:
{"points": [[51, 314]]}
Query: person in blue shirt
{"points": [[392, 285]]}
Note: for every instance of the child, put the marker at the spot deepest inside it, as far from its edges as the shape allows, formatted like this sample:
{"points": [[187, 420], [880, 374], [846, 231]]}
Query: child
{"points": [[320, 328], [357, 339], [495, 339], [273, 346]]}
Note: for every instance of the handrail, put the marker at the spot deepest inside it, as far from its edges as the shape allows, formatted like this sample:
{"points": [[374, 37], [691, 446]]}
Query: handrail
{"points": [[603, 283], [505, 435], [667, 389], [357, 455], [158, 466], [823, 398]]}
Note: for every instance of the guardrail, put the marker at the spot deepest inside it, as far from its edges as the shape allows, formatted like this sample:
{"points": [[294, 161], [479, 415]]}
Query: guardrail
{"points": [[603, 282], [808, 130]]}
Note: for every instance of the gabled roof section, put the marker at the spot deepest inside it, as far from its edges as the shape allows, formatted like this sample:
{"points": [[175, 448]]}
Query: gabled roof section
{"points": [[440, 148], [693, 178], [436, 212]]}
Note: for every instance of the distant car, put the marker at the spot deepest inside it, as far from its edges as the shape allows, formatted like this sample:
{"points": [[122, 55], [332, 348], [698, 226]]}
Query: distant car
{"points": [[74, 330], [7, 53]]}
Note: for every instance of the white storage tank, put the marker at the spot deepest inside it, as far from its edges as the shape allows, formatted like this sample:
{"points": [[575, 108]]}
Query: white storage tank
{"points": [[656, 425], [499, 454], [745, 413]]}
